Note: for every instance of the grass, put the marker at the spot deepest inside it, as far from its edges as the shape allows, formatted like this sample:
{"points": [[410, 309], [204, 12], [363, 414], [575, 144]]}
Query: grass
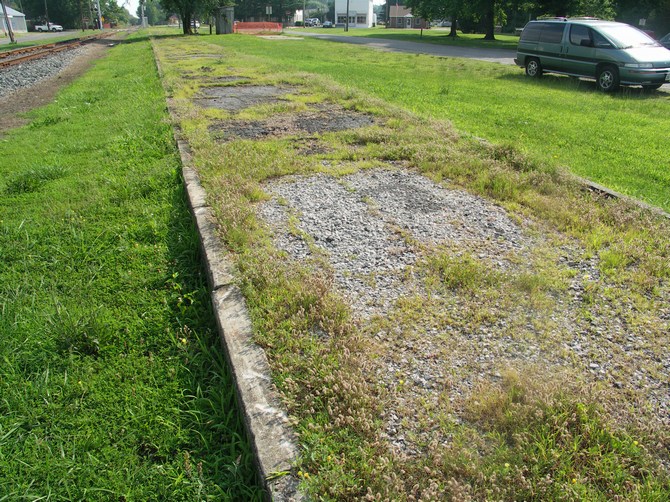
{"points": [[113, 384], [530, 433], [439, 36], [616, 140]]}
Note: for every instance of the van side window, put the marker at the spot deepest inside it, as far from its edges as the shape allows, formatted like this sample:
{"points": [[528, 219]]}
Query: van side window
{"points": [[552, 33], [600, 41], [531, 33], [580, 35]]}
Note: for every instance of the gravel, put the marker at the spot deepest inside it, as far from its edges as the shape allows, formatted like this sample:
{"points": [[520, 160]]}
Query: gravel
{"points": [[375, 226], [34, 71], [361, 222]]}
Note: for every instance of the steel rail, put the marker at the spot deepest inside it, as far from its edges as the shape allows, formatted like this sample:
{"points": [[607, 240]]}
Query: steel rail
{"points": [[18, 56]]}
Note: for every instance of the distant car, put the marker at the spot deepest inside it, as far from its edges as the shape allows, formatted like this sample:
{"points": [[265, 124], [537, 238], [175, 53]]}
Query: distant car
{"points": [[327, 24], [665, 41], [195, 24], [50, 27], [312, 21]]}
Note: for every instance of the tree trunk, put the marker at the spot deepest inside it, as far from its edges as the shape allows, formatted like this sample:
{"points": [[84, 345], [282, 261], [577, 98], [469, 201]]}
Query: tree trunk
{"points": [[489, 19], [186, 16], [454, 19]]}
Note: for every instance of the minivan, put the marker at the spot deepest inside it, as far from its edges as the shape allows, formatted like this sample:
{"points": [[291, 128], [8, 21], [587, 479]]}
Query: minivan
{"points": [[611, 53]]}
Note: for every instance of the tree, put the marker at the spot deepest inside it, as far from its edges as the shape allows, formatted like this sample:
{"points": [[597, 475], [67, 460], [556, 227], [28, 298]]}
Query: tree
{"points": [[438, 9], [185, 9], [153, 12], [69, 12]]}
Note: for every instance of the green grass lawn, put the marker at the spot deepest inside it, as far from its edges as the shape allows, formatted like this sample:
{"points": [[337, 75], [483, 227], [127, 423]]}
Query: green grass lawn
{"points": [[113, 385], [618, 140], [438, 36]]}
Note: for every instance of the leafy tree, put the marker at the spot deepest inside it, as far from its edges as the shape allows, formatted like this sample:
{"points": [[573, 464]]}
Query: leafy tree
{"points": [[69, 12], [185, 9], [438, 9], [153, 12]]}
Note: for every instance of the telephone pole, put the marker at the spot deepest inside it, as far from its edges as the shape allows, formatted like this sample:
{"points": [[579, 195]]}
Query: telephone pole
{"points": [[8, 22]]}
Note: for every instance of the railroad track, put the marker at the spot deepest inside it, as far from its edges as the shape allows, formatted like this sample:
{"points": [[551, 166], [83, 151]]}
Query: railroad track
{"points": [[18, 56]]}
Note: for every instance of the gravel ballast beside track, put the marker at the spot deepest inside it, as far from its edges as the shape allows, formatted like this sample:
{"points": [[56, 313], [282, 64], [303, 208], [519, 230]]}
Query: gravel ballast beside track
{"points": [[35, 71]]}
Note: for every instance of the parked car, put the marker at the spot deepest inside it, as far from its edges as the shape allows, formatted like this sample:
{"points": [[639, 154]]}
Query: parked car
{"points": [[327, 24], [50, 27], [609, 52], [665, 41], [312, 21]]}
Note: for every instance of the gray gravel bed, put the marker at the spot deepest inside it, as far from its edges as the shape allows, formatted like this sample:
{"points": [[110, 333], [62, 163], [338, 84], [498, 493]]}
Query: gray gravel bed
{"points": [[374, 226], [31, 72], [360, 222]]}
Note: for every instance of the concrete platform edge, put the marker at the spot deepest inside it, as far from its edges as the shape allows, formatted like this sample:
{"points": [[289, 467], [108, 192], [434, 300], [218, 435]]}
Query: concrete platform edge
{"points": [[273, 441]]}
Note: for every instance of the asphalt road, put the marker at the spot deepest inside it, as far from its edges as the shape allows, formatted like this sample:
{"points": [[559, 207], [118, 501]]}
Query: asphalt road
{"points": [[501, 56]]}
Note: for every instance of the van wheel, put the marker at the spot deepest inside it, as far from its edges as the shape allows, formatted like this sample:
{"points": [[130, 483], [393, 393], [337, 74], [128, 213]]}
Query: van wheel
{"points": [[607, 78], [533, 68]]}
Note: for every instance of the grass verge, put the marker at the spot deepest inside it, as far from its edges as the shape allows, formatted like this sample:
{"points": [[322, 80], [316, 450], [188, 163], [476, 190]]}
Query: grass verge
{"points": [[592, 285], [616, 140], [112, 381]]}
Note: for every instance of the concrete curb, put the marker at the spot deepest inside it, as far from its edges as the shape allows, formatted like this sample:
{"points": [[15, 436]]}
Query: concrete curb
{"points": [[595, 187], [273, 441]]}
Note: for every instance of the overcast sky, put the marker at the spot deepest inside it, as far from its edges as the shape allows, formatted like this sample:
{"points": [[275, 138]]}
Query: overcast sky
{"points": [[131, 6]]}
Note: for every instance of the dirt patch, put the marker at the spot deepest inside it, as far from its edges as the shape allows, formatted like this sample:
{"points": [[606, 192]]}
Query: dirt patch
{"points": [[310, 146], [324, 119], [236, 98], [214, 80], [14, 105]]}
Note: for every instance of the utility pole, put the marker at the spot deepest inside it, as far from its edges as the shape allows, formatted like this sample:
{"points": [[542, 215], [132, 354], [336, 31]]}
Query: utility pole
{"points": [[97, 4], [46, 13], [7, 21], [346, 23]]}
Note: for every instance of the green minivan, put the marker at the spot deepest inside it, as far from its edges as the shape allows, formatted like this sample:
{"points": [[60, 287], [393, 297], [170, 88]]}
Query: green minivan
{"points": [[611, 53]]}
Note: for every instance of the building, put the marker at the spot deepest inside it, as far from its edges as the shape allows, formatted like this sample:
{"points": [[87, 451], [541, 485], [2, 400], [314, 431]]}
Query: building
{"points": [[17, 21], [401, 17], [360, 13]]}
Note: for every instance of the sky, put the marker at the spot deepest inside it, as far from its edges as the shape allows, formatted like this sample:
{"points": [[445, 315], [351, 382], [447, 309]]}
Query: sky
{"points": [[130, 6]]}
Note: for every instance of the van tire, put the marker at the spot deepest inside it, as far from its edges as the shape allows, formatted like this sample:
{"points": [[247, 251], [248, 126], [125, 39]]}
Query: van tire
{"points": [[533, 68], [607, 78]]}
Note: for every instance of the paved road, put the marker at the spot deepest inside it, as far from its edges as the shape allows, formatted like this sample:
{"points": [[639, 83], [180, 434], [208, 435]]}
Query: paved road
{"points": [[502, 56]]}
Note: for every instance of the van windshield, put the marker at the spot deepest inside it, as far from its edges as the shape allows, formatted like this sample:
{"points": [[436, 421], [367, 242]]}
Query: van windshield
{"points": [[627, 37]]}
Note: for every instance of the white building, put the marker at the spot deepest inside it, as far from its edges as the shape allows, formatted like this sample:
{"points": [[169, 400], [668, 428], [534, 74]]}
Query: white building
{"points": [[360, 13], [16, 19]]}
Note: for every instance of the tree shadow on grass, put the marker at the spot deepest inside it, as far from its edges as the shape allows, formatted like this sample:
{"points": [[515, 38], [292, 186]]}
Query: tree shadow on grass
{"points": [[561, 82]]}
